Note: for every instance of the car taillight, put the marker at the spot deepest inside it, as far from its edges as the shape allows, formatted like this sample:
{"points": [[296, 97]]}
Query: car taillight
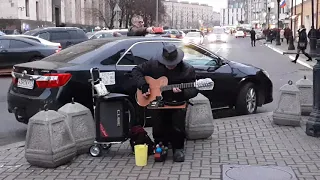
{"points": [[14, 79], [53, 80]]}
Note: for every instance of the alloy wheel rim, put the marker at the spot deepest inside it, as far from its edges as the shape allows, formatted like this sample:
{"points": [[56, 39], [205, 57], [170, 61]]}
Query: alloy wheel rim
{"points": [[95, 150], [251, 100]]}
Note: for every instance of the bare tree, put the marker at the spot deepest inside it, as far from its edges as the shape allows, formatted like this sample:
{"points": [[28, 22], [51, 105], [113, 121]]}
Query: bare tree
{"points": [[112, 4]]}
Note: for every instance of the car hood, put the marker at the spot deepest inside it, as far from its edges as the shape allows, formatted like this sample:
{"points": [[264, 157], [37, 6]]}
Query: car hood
{"points": [[192, 38], [244, 68]]}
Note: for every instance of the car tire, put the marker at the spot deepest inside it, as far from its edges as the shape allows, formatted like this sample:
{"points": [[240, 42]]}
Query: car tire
{"points": [[247, 100]]}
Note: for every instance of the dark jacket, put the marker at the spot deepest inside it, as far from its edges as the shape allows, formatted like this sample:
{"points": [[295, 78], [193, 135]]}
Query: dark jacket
{"points": [[183, 73], [253, 34], [303, 39], [136, 31]]}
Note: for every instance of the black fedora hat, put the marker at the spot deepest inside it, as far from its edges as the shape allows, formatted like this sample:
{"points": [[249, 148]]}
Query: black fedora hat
{"points": [[170, 55]]}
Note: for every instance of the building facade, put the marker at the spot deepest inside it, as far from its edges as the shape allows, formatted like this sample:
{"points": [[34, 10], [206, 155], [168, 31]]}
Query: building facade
{"points": [[24, 15], [189, 15], [232, 16]]}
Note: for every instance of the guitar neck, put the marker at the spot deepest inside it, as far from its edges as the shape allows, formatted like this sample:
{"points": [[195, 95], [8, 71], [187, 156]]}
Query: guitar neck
{"points": [[180, 86]]}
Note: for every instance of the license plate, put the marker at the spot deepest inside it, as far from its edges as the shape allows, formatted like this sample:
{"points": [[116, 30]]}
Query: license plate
{"points": [[25, 83]]}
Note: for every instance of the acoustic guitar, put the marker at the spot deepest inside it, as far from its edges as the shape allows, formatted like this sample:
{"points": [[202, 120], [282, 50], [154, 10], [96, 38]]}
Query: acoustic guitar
{"points": [[157, 86]]}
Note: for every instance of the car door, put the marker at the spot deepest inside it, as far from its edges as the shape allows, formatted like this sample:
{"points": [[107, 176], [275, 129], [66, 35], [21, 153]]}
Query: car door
{"points": [[4, 53], [20, 51], [209, 65], [62, 37]]}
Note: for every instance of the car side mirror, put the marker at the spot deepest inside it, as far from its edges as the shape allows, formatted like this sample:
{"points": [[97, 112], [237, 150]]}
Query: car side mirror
{"points": [[213, 68]]}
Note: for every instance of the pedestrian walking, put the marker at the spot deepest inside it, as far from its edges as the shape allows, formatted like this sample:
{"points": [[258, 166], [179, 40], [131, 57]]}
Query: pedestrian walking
{"points": [[282, 34], [302, 44], [287, 34], [253, 37]]}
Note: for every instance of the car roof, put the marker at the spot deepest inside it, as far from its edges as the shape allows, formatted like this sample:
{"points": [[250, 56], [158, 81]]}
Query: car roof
{"points": [[51, 29], [88, 51], [6, 37]]}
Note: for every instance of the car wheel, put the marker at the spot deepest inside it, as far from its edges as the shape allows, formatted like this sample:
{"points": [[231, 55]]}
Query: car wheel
{"points": [[247, 100]]}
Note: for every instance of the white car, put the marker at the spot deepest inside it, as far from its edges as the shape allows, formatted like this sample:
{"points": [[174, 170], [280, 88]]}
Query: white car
{"points": [[193, 37], [39, 40], [217, 34], [239, 34]]}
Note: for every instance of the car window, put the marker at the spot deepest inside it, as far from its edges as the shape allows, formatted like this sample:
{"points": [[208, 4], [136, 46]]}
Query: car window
{"points": [[59, 35], [196, 56], [19, 44], [4, 44], [81, 34], [34, 39], [141, 52], [73, 34], [44, 35]]}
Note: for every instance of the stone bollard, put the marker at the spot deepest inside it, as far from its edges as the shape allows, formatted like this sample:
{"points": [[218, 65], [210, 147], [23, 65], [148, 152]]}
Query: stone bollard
{"points": [[199, 118], [306, 95], [288, 112], [82, 125], [49, 142]]}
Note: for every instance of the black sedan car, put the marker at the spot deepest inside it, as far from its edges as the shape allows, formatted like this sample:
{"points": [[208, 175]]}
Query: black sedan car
{"points": [[16, 50], [57, 79]]}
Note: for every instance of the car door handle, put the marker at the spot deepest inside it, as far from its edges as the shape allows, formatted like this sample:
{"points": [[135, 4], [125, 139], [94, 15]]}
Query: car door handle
{"points": [[4, 50]]}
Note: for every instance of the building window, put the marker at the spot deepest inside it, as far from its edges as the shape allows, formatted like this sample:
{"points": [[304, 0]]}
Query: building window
{"points": [[27, 8], [37, 10]]}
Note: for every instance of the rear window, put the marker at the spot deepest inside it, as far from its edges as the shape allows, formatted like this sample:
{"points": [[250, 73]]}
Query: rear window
{"points": [[75, 51]]}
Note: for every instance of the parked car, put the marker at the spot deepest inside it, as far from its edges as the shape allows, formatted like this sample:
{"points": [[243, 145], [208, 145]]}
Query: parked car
{"points": [[194, 37], [15, 50], [56, 79], [39, 40], [172, 33], [109, 33], [239, 33], [66, 36], [2, 33]]}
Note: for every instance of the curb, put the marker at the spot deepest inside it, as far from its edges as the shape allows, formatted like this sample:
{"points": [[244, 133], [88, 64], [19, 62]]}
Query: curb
{"points": [[290, 56], [248, 116], [12, 146]]}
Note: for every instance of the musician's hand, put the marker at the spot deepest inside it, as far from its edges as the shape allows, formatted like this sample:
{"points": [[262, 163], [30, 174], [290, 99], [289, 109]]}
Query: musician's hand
{"points": [[146, 95], [176, 90]]}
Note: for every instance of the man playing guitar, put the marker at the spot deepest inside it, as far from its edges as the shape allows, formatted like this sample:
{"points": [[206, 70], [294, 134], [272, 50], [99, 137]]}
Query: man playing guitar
{"points": [[168, 124]]}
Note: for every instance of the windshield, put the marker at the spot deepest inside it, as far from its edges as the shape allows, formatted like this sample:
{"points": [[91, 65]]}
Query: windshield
{"points": [[218, 31], [193, 34]]}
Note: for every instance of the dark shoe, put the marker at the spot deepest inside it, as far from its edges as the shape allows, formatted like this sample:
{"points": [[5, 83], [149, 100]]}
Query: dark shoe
{"points": [[294, 61], [160, 154], [178, 155]]}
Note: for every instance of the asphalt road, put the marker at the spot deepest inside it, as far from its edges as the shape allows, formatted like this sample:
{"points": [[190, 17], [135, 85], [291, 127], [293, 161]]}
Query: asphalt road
{"points": [[279, 67]]}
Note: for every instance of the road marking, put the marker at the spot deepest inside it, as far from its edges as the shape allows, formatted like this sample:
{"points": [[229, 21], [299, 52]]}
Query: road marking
{"points": [[291, 57], [218, 50], [301, 62]]}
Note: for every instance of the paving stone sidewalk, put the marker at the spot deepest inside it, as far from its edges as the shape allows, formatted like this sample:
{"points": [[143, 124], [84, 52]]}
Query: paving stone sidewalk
{"points": [[244, 140]]}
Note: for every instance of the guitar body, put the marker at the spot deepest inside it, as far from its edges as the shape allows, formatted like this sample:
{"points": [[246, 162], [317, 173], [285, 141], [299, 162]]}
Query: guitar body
{"points": [[155, 85]]}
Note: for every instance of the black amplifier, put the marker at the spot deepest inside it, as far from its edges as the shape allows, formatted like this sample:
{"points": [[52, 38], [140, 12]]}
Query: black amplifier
{"points": [[112, 118]]}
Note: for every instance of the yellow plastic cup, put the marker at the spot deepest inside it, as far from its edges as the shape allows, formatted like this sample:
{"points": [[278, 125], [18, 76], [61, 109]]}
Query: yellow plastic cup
{"points": [[141, 154]]}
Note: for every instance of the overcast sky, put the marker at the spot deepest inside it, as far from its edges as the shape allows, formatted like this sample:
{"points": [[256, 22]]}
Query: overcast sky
{"points": [[216, 4]]}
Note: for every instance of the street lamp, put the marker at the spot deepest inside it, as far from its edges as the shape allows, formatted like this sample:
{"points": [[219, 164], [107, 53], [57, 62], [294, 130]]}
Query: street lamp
{"points": [[157, 13], [291, 45], [278, 43], [313, 33], [313, 123]]}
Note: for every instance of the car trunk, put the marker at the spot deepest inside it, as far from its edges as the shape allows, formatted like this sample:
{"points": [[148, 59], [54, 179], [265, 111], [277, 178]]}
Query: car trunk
{"points": [[28, 78]]}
